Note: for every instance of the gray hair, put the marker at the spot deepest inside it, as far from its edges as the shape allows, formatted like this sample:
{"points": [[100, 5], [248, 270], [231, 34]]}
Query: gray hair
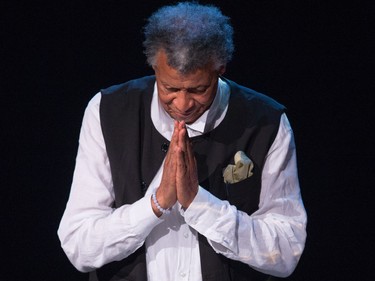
{"points": [[192, 35]]}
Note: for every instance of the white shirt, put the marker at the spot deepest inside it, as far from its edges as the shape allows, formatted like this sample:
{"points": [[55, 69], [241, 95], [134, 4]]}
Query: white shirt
{"points": [[92, 233]]}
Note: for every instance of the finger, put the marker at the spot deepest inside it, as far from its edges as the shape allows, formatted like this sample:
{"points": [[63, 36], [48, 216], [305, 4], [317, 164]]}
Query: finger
{"points": [[170, 159], [174, 139], [181, 164], [173, 144], [186, 144], [182, 136]]}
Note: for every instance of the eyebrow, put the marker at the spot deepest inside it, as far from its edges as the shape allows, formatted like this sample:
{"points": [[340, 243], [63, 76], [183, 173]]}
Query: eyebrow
{"points": [[188, 89]]}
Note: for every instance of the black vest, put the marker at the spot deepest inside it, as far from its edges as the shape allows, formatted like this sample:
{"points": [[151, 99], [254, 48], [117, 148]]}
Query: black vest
{"points": [[136, 150]]}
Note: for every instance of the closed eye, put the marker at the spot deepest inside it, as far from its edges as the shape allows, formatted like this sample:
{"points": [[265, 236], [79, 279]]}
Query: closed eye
{"points": [[197, 90]]}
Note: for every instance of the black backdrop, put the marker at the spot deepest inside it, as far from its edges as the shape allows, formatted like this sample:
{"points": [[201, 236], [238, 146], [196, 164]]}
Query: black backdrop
{"points": [[315, 57]]}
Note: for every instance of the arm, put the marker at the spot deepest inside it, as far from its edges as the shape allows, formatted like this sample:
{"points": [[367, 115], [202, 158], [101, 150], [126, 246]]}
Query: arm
{"points": [[272, 239], [91, 232]]}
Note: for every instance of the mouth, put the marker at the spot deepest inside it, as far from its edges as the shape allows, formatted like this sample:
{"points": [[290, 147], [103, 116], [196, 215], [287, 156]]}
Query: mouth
{"points": [[183, 116]]}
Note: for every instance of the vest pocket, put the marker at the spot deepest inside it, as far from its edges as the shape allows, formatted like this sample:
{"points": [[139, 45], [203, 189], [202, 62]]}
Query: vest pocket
{"points": [[244, 194]]}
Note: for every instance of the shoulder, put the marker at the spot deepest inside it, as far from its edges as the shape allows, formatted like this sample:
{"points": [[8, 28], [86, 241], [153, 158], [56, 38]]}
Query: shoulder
{"points": [[127, 98], [136, 85], [249, 97]]}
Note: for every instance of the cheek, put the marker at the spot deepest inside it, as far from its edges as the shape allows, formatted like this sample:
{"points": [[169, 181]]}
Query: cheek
{"points": [[165, 99], [204, 101]]}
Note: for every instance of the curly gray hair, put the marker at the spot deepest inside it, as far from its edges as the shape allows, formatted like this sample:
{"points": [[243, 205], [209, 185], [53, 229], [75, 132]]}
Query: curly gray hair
{"points": [[192, 35]]}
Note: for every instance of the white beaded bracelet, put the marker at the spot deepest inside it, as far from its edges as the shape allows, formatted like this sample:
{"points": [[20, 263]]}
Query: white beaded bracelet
{"points": [[164, 211]]}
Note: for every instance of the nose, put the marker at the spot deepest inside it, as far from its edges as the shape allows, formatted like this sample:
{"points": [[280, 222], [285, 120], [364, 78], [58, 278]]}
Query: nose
{"points": [[183, 102]]}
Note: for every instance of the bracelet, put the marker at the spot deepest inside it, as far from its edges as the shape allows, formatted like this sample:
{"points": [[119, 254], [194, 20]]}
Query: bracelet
{"points": [[164, 211]]}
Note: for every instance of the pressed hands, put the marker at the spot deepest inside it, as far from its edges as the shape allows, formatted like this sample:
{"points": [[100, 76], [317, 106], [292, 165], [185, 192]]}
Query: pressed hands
{"points": [[180, 177]]}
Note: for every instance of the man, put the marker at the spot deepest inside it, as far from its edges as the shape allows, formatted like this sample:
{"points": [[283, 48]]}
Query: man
{"points": [[185, 175]]}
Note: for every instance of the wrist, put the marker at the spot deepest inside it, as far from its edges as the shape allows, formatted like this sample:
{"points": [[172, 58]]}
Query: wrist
{"points": [[158, 209]]}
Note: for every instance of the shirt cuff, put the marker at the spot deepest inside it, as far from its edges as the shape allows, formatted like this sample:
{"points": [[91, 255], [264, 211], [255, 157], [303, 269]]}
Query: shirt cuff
{"points": [[213, 218], [142, 217]]}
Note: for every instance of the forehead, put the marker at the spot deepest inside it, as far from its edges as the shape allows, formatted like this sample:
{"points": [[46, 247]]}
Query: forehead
{"points": [[169, 76]]}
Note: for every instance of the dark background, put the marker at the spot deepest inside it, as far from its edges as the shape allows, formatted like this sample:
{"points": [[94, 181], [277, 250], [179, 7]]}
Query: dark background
{"points": [[315, 57]]}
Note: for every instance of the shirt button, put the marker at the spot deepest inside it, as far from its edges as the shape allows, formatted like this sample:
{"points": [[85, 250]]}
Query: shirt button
{"points": [[164, 147], [186, 235], [182, 274]]}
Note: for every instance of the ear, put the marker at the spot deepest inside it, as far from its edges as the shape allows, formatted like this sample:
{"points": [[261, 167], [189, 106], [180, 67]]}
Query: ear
{"points": [[222, 70]]}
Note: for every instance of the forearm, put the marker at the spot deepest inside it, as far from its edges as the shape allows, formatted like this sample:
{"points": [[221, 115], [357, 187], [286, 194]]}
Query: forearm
{"points": [[94, 237], [271, 243]]}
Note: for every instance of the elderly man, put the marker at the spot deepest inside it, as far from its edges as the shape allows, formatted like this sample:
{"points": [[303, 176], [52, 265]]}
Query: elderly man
{"points": [[185, 175]]}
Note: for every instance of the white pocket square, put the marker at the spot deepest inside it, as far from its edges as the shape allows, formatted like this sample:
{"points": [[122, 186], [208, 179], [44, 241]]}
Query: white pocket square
{"points": [[242, 168]]}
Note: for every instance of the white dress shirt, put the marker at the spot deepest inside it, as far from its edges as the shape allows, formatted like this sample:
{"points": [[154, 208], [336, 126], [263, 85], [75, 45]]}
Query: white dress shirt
{"points": [[270, 240]]}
